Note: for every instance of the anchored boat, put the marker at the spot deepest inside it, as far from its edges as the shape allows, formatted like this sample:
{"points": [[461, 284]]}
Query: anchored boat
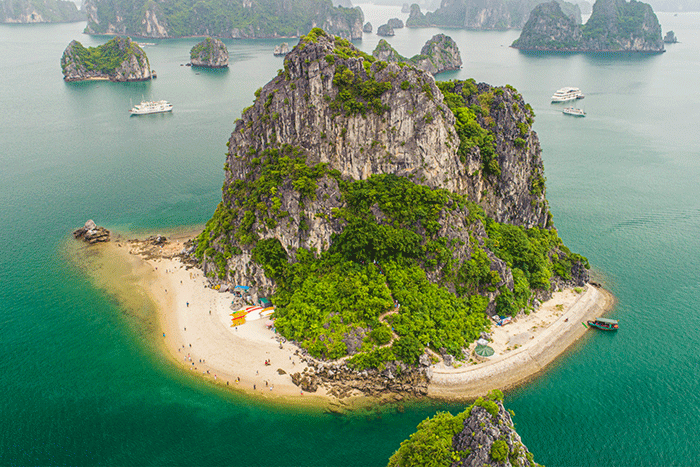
{"points": [[573, 111], [151, 107], [604, 323]]}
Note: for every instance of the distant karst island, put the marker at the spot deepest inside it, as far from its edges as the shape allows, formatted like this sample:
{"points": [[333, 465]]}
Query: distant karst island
{"points": [[120, 59], [210, 53], [39, 11], [477, 14], [439, 54], [614, 26], [249, 19]]}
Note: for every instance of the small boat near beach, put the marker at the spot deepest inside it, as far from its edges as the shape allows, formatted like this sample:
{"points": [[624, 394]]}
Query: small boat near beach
{"points": [[604, 323], [573, 111]]}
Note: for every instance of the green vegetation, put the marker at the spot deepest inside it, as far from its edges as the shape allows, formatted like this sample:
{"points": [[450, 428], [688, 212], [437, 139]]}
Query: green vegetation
{"points": [[51, 11], [431, 444], [106, 58], [471, 134], [205, 49], [358, 94], [219, 18]]}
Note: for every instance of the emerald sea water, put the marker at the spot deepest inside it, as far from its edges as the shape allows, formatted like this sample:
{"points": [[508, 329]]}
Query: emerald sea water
{"points": [[83, 384]]}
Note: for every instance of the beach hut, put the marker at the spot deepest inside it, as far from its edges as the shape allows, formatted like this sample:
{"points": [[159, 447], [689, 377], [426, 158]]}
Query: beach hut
{"points": [[264, 302]]}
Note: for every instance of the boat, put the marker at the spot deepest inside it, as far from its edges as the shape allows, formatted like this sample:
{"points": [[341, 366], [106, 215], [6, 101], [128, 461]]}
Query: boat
{"points": [[151, 107], [567, 94], [604, 323], [574, 111]]}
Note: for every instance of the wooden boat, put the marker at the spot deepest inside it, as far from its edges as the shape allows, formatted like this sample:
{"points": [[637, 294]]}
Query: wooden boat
{"points": [[604, 323]]}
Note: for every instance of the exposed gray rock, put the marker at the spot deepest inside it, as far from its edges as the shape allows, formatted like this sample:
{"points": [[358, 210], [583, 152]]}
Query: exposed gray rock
{"points": [[39, 11], [210, 53], [439, 54], [481, 430], [91, 233], [367, 27], [405, 8]]}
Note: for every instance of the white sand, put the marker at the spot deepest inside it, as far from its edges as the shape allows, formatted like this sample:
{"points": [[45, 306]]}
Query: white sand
{"points": [[203, 331]]}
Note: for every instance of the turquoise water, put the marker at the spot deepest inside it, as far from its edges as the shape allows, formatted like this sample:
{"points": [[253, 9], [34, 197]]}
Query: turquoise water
{"points": [[83, 386]]}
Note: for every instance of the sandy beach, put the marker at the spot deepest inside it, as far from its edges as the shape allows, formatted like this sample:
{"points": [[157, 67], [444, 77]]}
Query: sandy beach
{"points": [[197, 334]]}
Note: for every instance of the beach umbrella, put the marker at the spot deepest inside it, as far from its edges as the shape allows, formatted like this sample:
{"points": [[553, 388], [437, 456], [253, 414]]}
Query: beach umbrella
{"points": [[482, 342], [483, 351]]}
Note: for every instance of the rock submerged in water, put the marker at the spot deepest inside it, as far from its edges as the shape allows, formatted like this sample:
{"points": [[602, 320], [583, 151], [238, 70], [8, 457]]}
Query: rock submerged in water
{"points": [[120, 59], [210, 53], [91, 233]]}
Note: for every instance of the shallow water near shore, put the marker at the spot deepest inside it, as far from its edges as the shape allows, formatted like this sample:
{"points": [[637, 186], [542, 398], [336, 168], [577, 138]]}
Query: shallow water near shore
{"points": [[83, 384]]}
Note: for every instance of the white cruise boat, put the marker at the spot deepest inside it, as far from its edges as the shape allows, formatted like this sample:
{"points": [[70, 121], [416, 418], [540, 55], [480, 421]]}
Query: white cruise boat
{"points": [[574, 112], [151, 107], [567, 94]]}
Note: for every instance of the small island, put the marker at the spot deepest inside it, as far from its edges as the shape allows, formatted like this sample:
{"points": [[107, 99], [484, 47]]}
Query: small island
{"points": [[210, 53], [670, 38], [439, 54], [395, 23], [36, 11], [367, 27], [120, 59], [280, 50], [484, 434], [614, 26], [385, 30]]}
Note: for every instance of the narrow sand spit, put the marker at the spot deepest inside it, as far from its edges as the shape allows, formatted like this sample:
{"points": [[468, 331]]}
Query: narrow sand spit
{"points": [[197, 333]]}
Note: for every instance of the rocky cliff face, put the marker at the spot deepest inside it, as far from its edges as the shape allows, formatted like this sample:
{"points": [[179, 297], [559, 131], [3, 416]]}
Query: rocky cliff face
{"points": [[210, 53], [614, 26], [482, 435], [282, 49], [346, 117], [120, 59], [367, 27], [489, 438], [482, 14], [244, 19], [439, 54], [39, 11]]}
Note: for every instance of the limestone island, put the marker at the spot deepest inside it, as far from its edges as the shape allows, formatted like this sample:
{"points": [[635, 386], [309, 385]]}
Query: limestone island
{"points": [[376, 232], [439, 54], [395, 23], [482, 435], [614, 26], [385, 30], [120, 59], [202, 18], [367, 27], [35, 11], [210, 53], [477, 14]]}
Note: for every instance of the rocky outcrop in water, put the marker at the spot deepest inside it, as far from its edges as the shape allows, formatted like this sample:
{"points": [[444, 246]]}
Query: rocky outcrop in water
{"points": [[210, 53], [395, 23], [120, 59], [247, 19], [39, 11], [670, 38], [614, 26], [482, 435], [367, 27], [477, 14], [385, 30], [439, 54], [282, 49], [91, 233]]}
